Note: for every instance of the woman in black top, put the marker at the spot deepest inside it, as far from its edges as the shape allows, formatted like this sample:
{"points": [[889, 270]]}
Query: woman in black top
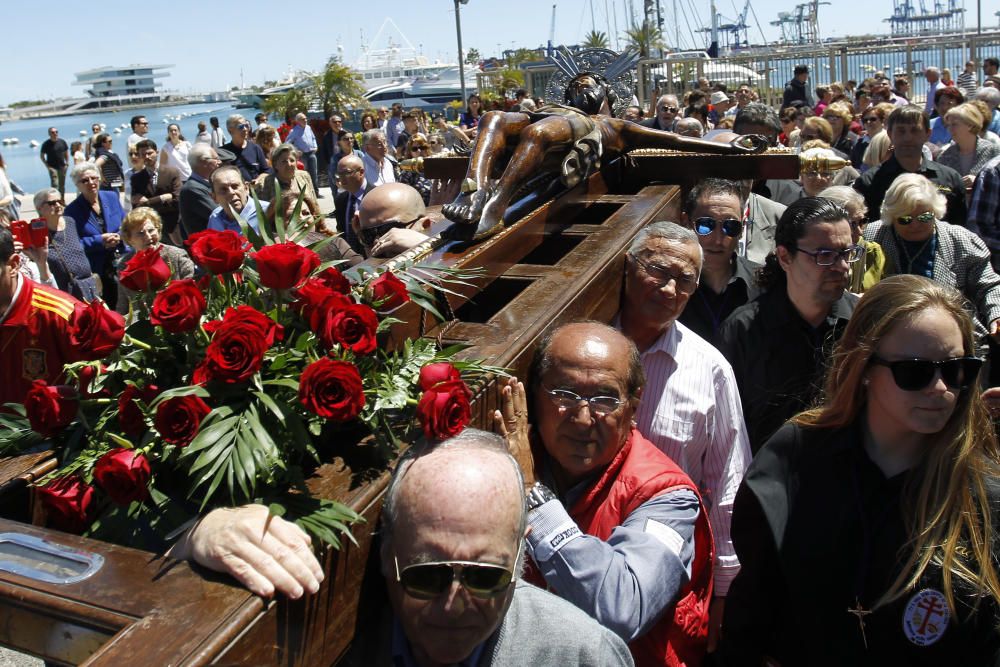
{"points": [[67, 260], [865, 527], [108, 163]]}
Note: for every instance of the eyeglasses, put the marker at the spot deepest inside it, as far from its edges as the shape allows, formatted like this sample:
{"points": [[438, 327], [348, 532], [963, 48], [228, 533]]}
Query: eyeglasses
{"points": [[370, 234], [344, 174], [661, 276], [850, 255], [916, 374], [426, 581], [599, 406], [143, 122], [818, 174], [670, 109], [730, 226], [54, 202], [925, 218], [243, 126]]}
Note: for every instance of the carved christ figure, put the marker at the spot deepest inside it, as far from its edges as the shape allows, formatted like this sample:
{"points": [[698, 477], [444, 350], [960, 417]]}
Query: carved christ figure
{"points": [[575, 137]]}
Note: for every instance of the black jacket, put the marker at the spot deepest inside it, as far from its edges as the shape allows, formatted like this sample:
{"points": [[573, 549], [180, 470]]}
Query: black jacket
{"points": [[795, 90], [343, 224], [196, 204], [819, 529], [777, 358], [874, 183], [706, 310]]}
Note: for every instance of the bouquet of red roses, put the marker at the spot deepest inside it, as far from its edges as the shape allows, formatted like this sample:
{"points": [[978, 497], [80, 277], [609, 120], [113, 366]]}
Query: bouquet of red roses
{"points": [[230, 389]]}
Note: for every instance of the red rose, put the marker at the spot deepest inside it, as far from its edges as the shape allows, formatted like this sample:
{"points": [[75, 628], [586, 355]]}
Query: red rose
{"points": [[86, 378], [50, 409], [179, 307], [130, 416], [332, 389], [444, 410], [335, 280], [434, 374], [124, 476], [146, 271], [66, 501], [389, 290], [270, 330], [352, 326], [314, 300], [95, 331], [218, 252], [284, 265], [178, 419], [234, 355]]}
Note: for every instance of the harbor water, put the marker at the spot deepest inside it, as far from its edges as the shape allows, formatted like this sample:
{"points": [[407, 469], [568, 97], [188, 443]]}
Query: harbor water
{"points": [[24, 165]]}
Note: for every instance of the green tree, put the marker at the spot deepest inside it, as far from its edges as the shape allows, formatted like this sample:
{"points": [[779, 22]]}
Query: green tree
{"points": [[645, 38], [472, 57], [595, 39], [334, 89]]}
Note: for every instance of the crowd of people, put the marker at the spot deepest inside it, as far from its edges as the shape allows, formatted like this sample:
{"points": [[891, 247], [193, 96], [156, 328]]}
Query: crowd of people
{"points": [[779, 450]]}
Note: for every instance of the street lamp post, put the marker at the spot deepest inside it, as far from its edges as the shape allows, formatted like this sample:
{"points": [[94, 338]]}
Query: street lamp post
{"points": [[458, 31]]}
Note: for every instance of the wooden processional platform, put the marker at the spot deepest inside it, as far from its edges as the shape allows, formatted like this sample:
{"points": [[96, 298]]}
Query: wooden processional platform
{"points": [[562, 262]]}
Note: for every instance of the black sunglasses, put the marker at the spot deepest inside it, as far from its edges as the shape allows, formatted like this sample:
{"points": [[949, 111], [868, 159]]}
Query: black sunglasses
{"points": [[426, 581], [916, 374], [370, 234], [670, 109], [730, 226]]}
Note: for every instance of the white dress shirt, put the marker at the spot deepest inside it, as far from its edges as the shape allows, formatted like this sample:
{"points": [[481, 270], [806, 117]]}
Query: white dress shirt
{"points": [[691, 411]]}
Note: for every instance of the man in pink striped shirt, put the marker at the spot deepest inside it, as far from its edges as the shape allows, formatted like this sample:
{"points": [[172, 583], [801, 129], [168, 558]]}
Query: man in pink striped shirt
{"points": [[691, 407]]}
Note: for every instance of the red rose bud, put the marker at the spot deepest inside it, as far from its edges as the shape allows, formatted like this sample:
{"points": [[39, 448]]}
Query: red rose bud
{"points": [[179, 307], [50, 409], [86, 378], [444, 410], [66, 501], [130, 417], [218, 252], [388, 292], [146, 271], [332, 389], [352, 327], [95, 330], [124, 476], [284, 265], [178, 419], [335, 280], [433, 374]]}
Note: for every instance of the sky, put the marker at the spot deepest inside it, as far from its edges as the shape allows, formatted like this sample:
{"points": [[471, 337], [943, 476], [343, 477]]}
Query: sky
{"points": [[45, 43]]}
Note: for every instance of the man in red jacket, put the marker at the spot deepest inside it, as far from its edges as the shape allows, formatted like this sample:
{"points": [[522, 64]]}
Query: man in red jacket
{"points": [[616, 527], [34, 328]]}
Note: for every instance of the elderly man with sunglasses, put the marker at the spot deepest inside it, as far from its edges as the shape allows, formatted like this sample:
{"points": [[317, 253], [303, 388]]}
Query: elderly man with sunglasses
{"points": [[690, 408], [391, 220], [617, 528], [452, 543]]}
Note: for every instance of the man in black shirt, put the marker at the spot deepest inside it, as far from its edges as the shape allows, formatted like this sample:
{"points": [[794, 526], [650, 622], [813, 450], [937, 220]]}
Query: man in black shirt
{"points": [[250, 158], [797, 93], [778, 344], [714, 209], [55, 156], [909, 129]]}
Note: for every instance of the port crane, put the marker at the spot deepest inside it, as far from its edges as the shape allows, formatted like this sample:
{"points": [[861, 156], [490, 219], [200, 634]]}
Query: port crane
{"points": [[801, 25], [735, 33]]}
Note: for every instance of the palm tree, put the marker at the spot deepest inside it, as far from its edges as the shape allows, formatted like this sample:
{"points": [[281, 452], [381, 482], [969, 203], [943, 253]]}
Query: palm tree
{"points": [[595, 39], [337, 87], [644, 37]]}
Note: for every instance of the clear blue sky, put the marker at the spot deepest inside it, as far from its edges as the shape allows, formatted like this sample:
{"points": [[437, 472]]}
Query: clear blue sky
{"points": [[46, 42]]}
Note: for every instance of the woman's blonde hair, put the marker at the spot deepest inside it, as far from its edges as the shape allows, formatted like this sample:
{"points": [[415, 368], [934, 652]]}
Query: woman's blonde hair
{"points": [[822, 126], [137, 217], [969, 114], [878, 150], [908, 192], [945, 502], [843, 110]]}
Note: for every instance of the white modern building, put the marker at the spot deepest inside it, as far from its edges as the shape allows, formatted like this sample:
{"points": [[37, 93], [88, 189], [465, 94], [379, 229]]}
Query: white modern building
{"points": [[129, 84]]}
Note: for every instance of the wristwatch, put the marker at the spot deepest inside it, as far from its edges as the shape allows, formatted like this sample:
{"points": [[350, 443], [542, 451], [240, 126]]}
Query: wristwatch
{"points": [[538, 495]]}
